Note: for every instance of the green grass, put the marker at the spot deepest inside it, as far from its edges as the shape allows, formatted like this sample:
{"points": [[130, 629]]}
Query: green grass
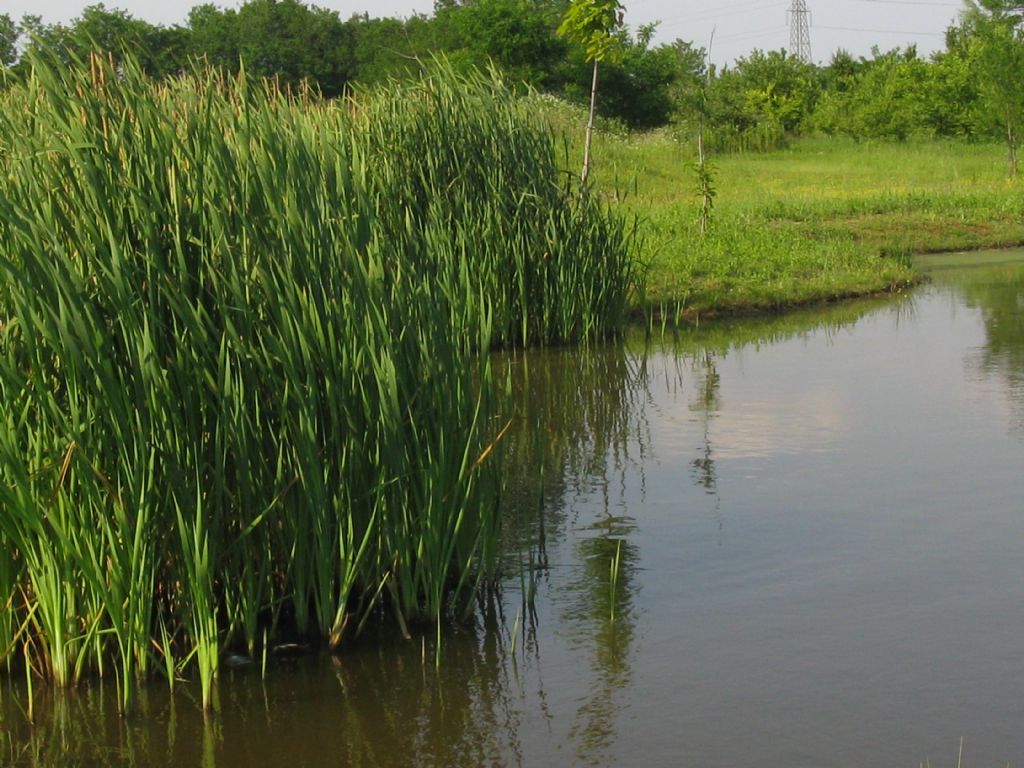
{"points": [[825, 219]]}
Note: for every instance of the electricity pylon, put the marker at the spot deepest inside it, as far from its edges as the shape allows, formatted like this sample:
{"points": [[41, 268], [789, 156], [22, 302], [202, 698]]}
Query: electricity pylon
{"points": [[800, 31]]}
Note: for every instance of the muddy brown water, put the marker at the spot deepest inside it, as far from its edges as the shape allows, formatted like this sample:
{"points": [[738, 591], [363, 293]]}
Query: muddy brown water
{"points": [[795, 541]]}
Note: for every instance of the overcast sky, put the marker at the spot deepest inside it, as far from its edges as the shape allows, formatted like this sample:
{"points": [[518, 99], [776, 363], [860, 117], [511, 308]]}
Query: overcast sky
{"points": [[739, 25]]}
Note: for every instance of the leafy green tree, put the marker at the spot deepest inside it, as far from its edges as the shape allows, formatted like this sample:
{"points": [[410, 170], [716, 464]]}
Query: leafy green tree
{"points": [[106, 30], [168, 50], [591, 24], [391, 48], [517, 36], [293, 42], [214, 35], [841, 73], [159, 50], [282, 39], [779, 88], [9, 34], [637, 83], [689, 86], [56, 38], [764, 98], [885, 97], [380, 48], [998, 56], [952, 96], [896, 94]]}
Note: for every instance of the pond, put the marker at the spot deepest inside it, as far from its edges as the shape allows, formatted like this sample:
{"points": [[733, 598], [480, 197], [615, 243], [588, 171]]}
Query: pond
{"points": [[793, 541]]}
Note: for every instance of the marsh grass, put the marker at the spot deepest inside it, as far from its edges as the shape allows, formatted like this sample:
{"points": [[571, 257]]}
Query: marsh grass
{"points": [[243, 356]]}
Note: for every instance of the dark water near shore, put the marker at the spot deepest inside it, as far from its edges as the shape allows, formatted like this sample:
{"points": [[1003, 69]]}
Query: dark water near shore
{"points": [[818, 521]]}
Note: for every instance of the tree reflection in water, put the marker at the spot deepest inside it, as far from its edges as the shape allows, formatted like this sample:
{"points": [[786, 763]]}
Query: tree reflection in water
{"points": [[998, 293]]}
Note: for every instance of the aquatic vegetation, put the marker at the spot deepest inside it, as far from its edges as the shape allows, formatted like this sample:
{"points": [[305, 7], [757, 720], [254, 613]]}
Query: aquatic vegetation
{"points": [[241, 355]]}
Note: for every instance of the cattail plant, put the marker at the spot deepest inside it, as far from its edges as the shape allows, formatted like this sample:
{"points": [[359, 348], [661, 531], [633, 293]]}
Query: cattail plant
{"points": [[243, 356]]}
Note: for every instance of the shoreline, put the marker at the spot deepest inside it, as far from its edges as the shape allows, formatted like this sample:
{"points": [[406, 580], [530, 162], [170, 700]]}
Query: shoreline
{"points": [[669, 311]]}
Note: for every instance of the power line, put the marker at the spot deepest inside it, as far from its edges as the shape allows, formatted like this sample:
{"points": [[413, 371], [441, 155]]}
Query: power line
{"points": [[772, 31], [915, 2], [728, 10], [883, 31]]}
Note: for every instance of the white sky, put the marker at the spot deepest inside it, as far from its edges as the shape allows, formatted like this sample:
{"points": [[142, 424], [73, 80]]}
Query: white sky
{"points": [[739, 25]]}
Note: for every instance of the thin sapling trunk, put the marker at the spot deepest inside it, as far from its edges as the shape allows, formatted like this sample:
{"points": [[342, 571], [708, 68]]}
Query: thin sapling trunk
{"points": [[590, 129]]}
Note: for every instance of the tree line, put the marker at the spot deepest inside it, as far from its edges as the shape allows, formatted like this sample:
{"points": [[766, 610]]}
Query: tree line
{"points": [[972, 89]]}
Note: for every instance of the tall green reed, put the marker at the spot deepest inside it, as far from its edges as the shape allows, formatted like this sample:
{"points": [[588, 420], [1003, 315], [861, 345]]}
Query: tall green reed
{"points": [[482, 170], [243, 345]]}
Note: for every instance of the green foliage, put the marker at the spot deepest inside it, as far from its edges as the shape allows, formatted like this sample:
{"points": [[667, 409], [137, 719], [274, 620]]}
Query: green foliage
{"points": [[884, 102], [762, 100], [9, 34], [688, 89], [897, 95], [637, 84], [590, 24], [759, 103], [388, 48], [113, 31], [952, 94], [284, 39], [517, 36], [213, 36], [243, 355], [997, 45], [159, 51]]}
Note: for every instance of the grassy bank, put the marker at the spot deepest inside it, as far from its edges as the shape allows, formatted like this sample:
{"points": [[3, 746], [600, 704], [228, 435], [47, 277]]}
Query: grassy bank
{"points": [[821, 220]]}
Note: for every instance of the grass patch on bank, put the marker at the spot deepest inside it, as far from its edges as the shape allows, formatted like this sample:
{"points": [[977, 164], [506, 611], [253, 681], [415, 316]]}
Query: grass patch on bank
{"points": [[821, 220]]}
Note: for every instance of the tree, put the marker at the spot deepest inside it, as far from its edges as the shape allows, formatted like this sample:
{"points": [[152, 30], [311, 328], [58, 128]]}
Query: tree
{"points": [[55, 38], [158, 50], [380, 48], [293, 42], [8, 40], [283, 39], [764, 98], [689, 86], [637, 82], [214, 35], [893, 95], [998, 55], [591, 25], [952, 98], [518, 36]]}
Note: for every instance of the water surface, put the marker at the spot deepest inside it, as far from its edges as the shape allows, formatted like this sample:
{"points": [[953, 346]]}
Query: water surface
{"points": [[818, 523]]}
